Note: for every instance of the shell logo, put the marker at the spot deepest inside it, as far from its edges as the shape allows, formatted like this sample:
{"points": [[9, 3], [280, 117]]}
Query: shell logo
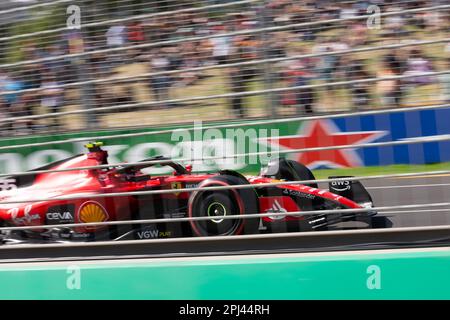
{"points": [[92, 211]]}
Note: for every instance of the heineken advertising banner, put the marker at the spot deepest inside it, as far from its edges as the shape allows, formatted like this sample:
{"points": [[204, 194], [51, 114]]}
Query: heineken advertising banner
{"points": [[258, 140]]}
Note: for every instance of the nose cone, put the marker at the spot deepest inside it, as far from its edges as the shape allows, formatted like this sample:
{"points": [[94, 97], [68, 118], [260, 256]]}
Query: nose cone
{"points": [[21, 211], [22, 214]]}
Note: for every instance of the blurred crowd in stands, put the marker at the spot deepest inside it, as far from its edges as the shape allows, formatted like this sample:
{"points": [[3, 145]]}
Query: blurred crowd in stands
{"points": [[158, 45]]}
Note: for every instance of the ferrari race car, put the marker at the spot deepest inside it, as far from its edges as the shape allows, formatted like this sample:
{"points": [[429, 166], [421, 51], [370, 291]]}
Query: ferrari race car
{"points": [[37, 199]]}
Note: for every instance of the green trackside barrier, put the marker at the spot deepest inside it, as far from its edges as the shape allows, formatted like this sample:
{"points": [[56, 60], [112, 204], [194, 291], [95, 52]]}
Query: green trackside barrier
{"points": [[395, 274], [125, 148]]}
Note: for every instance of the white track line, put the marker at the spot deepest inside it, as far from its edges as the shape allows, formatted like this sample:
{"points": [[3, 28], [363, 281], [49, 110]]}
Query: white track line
{"points": [[410, 186]]}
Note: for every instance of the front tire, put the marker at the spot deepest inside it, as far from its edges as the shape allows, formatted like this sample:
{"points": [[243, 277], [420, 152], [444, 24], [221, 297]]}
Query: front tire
{"points": [[223, 203]]}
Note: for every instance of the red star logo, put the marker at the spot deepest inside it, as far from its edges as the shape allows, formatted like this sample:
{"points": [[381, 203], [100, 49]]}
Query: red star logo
{"points": [[324, 133]]}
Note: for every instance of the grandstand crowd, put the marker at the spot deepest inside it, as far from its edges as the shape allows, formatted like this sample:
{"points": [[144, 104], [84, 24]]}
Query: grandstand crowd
{"points": [[156, 47]]}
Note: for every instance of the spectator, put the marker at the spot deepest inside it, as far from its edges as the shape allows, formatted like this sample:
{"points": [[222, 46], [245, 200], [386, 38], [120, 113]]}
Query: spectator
{"points": [[221, 46], [32, 80], [136, 33], [13, 101], [358, 34], [359, 89], [328, 66], [276, 46], [418, 64], [59, 66], [394, 24], [299, 73], [159, 83], [51, 97], [445, 83], [240, 77], [348, 11], [305, 96], [238, 85], [390, 91], [115, 36], [190, 59], [433, 20], [4, 126]]}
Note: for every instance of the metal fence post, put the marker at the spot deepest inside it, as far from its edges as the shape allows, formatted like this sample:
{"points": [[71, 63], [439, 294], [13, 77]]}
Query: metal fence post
{"points": [[267, 70]]}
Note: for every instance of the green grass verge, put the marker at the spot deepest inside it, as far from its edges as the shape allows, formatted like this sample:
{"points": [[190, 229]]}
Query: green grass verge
{"points": [[372, 171]]}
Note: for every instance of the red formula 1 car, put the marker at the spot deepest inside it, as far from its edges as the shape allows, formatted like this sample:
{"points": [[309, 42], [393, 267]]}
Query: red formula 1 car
{"points": [[82, 185]]}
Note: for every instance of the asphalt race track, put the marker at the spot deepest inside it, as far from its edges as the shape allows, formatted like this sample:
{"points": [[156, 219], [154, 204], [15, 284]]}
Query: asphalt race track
{"points": [[408, 191]]}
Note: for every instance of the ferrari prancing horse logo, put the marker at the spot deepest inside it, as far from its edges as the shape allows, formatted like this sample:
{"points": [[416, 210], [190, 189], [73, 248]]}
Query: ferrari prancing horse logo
{"points": [[177, 185]]}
